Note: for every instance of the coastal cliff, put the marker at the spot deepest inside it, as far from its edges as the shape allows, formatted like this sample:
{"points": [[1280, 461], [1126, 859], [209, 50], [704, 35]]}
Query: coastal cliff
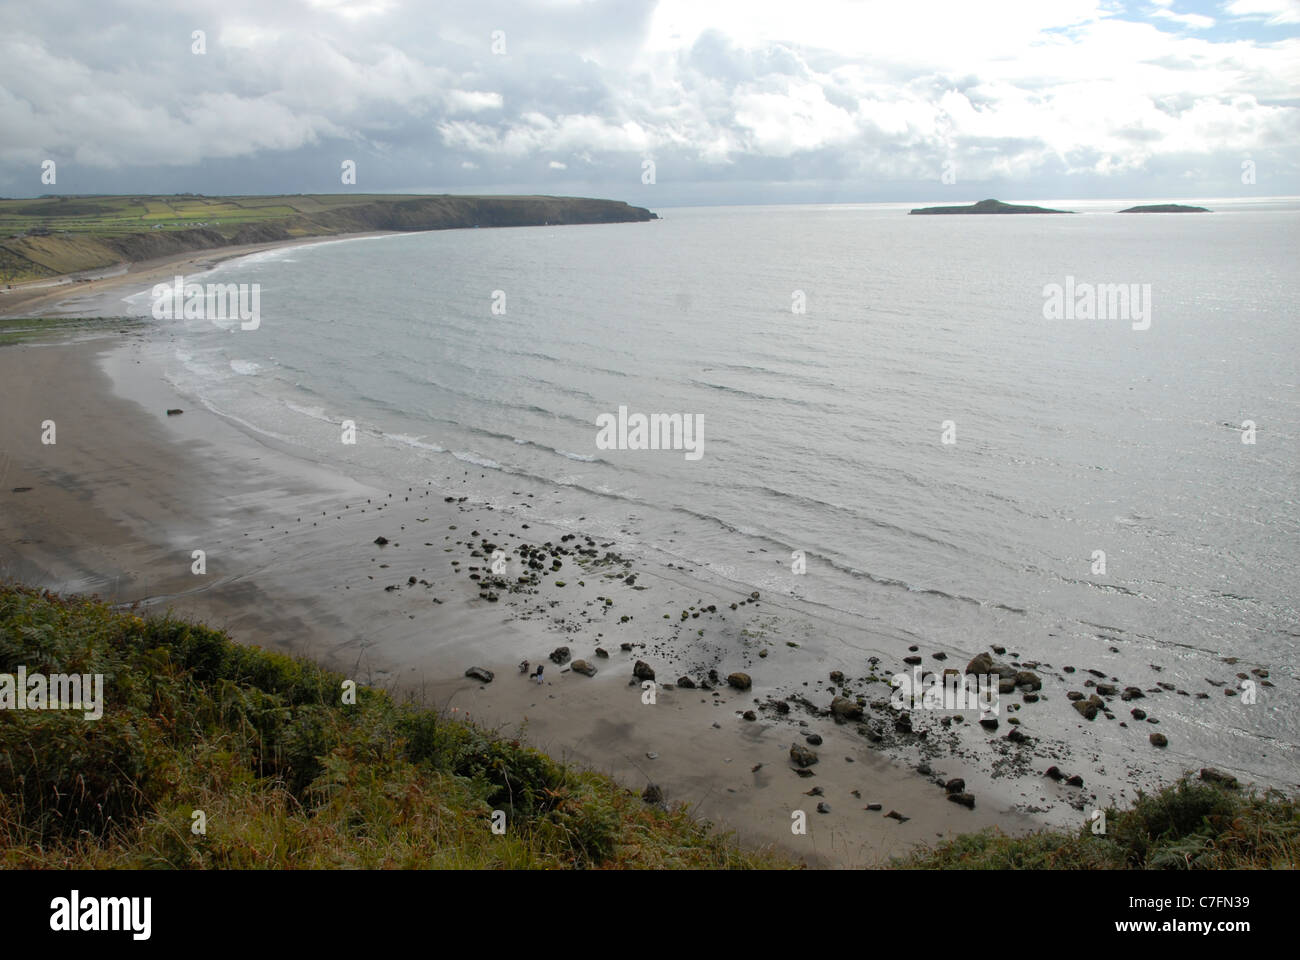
{"points": [[53, 236]]}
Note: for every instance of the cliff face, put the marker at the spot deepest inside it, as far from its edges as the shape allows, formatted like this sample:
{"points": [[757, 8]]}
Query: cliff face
{"points": [[51, 254], [420, 213]]}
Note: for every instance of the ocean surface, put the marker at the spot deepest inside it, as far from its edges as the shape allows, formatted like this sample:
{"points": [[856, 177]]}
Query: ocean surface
{"points": [[823, 429]]}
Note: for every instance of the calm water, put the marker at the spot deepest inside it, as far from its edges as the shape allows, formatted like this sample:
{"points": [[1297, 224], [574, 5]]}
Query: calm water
{"points": [[822, 430]]}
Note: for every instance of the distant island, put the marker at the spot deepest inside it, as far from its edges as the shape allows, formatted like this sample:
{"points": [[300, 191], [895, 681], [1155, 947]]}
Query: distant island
{"points": [[988, 206], [59, 235], [1166, 208]]}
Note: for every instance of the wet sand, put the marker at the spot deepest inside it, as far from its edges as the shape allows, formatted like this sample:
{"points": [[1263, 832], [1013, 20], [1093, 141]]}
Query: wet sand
{"points": [[99, 292], [120, 502]]}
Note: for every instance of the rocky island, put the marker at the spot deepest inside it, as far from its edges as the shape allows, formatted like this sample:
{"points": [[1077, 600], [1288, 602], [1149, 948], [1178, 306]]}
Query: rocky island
{"points": [[988, 206], [1166, 208]]}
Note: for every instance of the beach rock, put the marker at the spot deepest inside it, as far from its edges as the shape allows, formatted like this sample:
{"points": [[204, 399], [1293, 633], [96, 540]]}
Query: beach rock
{"points": [[175, 412], [381, 541], [1088, 708], [602, 652], [1074, 781], [1054, 773], [1107, 689], [749, 715], [584, 668], [1218, 777], [1132, 693], [1159, 740], [955, 785], [989, 723], [686, 683], [842, 708], [965, 799], [740, 681], [560, 655], [1005, 671], [873, 806], [895, 815], [837, 676], [1027, 678], [823, 807], [814, 739], [801, 755], [980, 663], [1138, 714], [642, 671], [479, 673], [1016, 736], [653, 794], [912, 661], [1006, 685]]}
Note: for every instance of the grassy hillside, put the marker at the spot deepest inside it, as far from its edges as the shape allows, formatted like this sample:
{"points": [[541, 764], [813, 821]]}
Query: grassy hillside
{"points": [[1190, 825], [50, 236], [286, 775]]}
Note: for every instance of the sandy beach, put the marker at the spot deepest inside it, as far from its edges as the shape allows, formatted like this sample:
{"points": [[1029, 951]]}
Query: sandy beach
{"points": [[97, 292], [126, 494], [391, 581]]}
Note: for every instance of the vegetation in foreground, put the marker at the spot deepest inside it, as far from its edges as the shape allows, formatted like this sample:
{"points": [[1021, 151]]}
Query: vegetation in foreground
{"points": [[285, 774], [1190, 825]]}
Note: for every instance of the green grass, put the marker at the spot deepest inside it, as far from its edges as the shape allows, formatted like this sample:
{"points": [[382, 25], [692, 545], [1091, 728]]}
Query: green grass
{"points": [[16, 329], [1188, 825], [286, 774], [58, 235]]}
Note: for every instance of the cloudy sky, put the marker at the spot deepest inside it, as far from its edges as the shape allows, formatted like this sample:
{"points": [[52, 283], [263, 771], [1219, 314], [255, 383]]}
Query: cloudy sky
{"points": [[758, 101]]}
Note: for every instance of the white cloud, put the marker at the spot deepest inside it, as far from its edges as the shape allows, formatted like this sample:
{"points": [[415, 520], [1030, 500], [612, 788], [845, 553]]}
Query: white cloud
{"points": [[1274, 11], [861, 90]]}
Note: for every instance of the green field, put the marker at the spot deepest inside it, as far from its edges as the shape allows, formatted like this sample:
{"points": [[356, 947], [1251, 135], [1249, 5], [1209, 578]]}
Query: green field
{"points": [[52, 236]]}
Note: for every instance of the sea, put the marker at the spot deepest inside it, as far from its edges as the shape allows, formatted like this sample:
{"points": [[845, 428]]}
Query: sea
{"points": [[896, 426]]}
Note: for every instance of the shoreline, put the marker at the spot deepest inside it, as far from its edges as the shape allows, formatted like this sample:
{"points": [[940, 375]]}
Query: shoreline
{"points": [[123, 525], [88, 292], [120, 503]]}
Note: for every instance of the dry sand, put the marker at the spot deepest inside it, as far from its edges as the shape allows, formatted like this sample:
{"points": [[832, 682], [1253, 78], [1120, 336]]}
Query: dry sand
{"points": [[98, 292], [117, 505]]}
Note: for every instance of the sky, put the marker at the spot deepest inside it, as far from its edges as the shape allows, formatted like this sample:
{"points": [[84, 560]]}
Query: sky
{"points": [[668, 103]]}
